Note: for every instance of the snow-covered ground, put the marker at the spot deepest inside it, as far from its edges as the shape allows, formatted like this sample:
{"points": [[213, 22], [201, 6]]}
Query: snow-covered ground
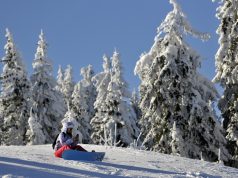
{"points": [[39, 161]]}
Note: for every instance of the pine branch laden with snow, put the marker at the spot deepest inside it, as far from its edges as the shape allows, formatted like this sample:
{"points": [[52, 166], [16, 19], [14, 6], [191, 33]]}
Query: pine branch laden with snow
{"points": [[227, 70], [48, 105], [113, 107], [176, 115], [83, 98], [15, 93]]}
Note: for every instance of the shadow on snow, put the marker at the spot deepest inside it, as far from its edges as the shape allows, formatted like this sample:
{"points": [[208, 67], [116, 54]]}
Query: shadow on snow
{"points": [[36, 169]]}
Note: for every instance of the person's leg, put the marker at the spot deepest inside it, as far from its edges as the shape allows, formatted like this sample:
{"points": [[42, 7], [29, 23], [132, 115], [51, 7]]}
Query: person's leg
{"points": [[60, 151], [79, 148]]}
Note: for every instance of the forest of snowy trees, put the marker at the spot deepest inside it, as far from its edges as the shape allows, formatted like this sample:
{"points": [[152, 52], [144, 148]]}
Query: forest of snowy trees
{"points": [[172, 112]]}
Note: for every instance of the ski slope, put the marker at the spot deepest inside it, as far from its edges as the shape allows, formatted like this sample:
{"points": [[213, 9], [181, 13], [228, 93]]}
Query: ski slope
{"points": [[39, 161]]}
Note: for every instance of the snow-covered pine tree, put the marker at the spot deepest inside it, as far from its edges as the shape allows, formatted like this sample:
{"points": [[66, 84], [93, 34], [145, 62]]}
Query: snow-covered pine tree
{"points": [[60, 80], [175, 97], [120, 112], [177, 143], [135, 104], [48, 106], [83, 98], [119, 119], [101, 81], [227, 71], [14, 97], [88, 83], [68, 85], [1, 125]]}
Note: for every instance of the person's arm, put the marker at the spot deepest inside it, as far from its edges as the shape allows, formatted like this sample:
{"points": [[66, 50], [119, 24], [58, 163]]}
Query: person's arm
{"points": [[64, 140], [75, 140]]}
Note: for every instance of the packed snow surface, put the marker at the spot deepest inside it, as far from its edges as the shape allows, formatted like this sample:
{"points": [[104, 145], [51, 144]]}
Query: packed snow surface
{"points": [[39, 161]]}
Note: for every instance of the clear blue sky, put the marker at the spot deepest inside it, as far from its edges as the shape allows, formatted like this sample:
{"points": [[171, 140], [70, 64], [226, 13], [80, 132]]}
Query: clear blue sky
{"points": [[79, 32]]}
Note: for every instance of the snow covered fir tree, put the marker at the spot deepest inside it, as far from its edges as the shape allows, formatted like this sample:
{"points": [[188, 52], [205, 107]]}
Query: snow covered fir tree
{"points": [[60, 81], [115, 119], [176, 115], [14, 97], [83, 98], [65, 84], [101, 81], [68, 85], [121, 114], [134, 101], [48, 107], [227, 71]]}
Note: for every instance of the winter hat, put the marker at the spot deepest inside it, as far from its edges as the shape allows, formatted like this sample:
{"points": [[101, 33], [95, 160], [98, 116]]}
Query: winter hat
{"points": [[67, 125]]}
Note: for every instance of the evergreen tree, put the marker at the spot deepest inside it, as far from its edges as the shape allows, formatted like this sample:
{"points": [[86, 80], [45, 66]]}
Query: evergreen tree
{"points": [[176, 114], [60, 80], [1, 126], [48, 106], [68, 85], [177, 143], [119, 121], [84, 96], [135, 104], [14, 98], [101, 81], [227, 71]]}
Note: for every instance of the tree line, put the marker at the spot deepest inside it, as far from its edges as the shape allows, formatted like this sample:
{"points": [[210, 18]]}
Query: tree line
{"points": [[173, 114]]}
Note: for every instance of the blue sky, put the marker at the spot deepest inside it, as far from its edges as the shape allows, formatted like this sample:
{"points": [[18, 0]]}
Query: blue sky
{"points": [[79, 32]]}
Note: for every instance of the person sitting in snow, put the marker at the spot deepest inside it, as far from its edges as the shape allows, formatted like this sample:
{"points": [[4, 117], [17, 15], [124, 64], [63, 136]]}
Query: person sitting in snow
{"points": [[65, 140]]}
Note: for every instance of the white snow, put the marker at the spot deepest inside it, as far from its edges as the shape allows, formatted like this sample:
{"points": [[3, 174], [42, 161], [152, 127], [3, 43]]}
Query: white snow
{"points": [[39, 161]]}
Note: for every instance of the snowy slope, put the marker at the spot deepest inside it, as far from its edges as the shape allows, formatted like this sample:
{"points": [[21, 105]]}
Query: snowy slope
{"points": [[38, 161]]}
